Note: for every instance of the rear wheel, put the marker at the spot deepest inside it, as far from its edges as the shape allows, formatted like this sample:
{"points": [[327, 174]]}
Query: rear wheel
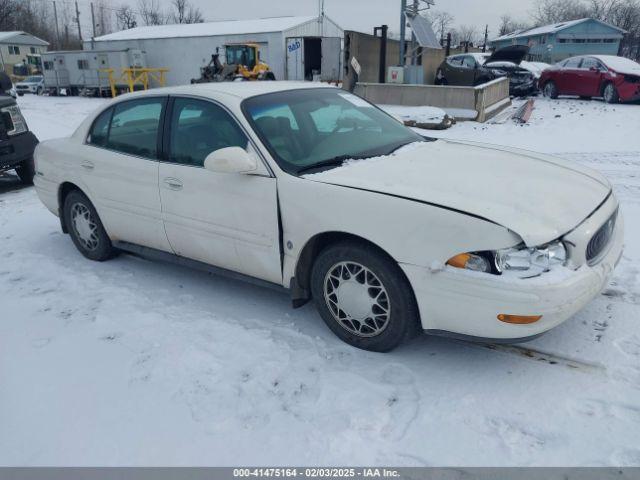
{"points": [[364, 297], [26, 171], [85, 228], [610, 93], [550, 90]]}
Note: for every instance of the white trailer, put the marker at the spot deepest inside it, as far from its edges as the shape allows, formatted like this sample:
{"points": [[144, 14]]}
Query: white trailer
{"points": [[79, 71]]}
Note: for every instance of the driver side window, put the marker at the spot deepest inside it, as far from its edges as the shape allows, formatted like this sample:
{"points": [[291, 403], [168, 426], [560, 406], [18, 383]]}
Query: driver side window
{"points": [[198, 128]]}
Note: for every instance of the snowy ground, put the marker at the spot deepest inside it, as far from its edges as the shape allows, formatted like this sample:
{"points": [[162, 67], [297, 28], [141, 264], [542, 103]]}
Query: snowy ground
{"points": [[132, 362]]}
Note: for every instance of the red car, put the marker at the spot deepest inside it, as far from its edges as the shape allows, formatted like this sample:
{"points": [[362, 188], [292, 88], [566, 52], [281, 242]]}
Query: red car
{"points": [[613, 78]]}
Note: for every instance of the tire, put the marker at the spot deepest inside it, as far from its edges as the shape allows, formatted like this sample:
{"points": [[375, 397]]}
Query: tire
{"points": [[610, 93], [20, 94], [369, 286], [26, 171], [550, 90], [90, 238]]}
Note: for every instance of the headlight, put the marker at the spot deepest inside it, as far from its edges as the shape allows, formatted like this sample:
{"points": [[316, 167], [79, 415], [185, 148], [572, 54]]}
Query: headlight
{"points": [[520, 262]]}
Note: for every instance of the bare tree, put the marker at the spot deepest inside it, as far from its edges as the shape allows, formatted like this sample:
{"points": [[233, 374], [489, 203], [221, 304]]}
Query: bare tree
{"points": [[184, 12], [151, 13], [555, 11], [509, 25], [468, 34], [103, 17], [441, 22], [126, 18]]}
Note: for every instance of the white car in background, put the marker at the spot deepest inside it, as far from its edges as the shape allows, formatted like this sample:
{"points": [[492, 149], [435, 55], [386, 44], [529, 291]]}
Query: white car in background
{"points": [[33, 84], [315, 190]]}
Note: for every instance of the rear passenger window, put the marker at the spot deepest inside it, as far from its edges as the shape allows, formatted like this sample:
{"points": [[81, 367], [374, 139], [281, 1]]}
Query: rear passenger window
{"points": [[198, 128], [591, 63], [100, 129], [134, 127], [573, 63], [455, 61]]}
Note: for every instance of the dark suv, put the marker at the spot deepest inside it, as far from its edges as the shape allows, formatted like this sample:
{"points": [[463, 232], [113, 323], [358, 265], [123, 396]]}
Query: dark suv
{"points": [[17, 143]]}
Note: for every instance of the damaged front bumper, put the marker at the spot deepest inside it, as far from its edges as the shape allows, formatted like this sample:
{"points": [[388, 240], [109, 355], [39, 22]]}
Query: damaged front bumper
{"points": [[468, 303]]}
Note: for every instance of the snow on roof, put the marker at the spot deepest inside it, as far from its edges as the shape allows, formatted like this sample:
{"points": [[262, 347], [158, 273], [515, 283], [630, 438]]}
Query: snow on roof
{"points": [[553, 28], [24, 38], [209, 29]]}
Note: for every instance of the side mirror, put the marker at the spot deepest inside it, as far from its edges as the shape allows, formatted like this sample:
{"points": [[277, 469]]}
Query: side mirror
{"points": [[230, 160]]}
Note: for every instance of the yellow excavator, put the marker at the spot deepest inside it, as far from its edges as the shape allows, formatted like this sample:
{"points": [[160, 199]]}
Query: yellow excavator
{"points": [[242, 62]]}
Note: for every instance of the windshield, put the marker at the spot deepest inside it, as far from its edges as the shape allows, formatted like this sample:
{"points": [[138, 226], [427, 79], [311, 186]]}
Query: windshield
{"points": [[311, 127], [35, 79]]}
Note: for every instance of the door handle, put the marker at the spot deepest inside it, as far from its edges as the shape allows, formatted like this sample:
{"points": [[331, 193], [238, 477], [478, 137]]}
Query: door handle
{"points": [[87, 165], [173, 183]]}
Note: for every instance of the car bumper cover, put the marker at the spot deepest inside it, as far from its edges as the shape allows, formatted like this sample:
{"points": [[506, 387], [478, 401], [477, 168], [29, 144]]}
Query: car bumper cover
{"points": [[468, 304], [15, 150]]}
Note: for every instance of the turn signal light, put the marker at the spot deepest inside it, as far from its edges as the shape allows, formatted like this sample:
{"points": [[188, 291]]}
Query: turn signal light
{"points": [[519, 319], [459, 261]]}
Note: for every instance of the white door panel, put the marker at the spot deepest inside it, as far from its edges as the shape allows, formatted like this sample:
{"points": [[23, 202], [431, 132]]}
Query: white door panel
{"points": [[295, 58], [125, 189], [331, 59], [226, 220]]}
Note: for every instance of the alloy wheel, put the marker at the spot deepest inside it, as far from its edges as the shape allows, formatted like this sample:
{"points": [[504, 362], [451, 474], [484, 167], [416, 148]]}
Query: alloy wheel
{"points": [[357, 299], [84, 226]]}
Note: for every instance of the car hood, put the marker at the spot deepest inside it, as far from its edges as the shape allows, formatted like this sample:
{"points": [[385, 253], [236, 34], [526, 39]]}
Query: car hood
{"points": [[514, 53], [536, 196]]}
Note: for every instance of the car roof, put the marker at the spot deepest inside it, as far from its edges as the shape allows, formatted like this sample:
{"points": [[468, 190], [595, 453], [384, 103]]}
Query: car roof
{"points": [[240, 89]]}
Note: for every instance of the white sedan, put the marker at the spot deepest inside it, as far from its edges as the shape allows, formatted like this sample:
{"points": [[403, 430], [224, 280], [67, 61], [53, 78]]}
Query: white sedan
{"points": [[315, 190]]}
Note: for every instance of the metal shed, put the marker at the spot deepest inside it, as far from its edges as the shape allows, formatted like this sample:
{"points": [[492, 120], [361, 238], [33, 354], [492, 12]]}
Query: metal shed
{"points": [[552, 43], [296, 48]]}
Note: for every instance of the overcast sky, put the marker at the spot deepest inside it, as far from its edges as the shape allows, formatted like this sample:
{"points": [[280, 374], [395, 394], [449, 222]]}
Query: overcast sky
{"points": [[363, 15]]}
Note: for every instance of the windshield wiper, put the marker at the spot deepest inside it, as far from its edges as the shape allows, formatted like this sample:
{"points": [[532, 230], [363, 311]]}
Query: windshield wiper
{"points": [[332, 162]]}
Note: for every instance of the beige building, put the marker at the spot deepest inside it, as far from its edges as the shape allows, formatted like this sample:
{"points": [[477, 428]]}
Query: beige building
{"points": [[17, 48]]}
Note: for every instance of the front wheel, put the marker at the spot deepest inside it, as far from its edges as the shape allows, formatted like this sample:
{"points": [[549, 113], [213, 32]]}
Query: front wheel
{"points": [[364, 297], [610, 94], [85, 228]]}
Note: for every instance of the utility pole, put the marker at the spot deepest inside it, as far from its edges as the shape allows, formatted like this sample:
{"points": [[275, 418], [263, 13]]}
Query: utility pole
{"points": [[486, 39], [55, 17], [384, 32], [403, 29], [414, 40], [93, 21], [78, 21]]}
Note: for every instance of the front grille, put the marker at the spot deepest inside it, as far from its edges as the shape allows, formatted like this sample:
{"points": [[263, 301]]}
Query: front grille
{"points": [[599, 242]]}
